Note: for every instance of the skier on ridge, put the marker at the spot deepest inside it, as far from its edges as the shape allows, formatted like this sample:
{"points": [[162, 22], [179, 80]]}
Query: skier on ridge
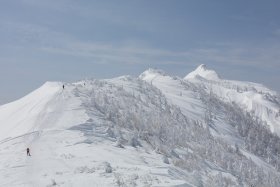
{"points": [[28, 152]]}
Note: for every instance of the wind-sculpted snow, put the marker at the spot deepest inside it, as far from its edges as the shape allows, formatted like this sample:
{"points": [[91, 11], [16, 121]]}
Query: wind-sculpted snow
{"points": [[155, 130], [19, 117]]}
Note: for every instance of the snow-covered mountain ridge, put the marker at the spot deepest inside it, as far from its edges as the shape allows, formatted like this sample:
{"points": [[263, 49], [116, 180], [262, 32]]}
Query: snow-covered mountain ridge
{"points": [[154, 130], [254, 98]]}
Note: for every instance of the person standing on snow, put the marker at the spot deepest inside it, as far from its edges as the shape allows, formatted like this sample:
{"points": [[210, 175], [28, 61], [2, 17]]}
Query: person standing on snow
{"points": [[63, 86], [28, 152]]}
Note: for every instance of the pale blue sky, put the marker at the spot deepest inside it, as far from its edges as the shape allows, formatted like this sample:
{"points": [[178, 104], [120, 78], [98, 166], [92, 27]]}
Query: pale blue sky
{"points": [[68, 40]]}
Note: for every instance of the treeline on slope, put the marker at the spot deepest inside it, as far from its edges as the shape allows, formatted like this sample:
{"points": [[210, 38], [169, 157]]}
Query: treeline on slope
{"points": [[258, 138], [144, 115]]}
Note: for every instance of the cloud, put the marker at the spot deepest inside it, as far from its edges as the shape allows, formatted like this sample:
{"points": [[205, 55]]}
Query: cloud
{"points": [[46, 40], [113, 13], [50, 41], [29, 34], [105, 53], [43, 39], [238, 55]]}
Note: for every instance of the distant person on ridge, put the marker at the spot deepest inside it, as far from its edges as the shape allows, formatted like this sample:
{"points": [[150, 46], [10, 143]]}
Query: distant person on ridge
{"points": [[63, 86], [28, 152]]}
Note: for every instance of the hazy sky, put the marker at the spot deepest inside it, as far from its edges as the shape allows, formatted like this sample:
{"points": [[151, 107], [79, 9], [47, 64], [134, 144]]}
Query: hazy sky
{"points": [[68, 40]]}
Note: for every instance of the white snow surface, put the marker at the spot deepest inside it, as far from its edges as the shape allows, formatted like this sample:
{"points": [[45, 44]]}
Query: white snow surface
{"points": [[61, 156], [202, 71], [252, 97], [71, 138]]}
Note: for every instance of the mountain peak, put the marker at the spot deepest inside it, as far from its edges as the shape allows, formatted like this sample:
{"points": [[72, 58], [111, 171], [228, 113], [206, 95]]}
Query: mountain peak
{"points": [[203, 71], [151, 73], [202, 66], [155, 71]]}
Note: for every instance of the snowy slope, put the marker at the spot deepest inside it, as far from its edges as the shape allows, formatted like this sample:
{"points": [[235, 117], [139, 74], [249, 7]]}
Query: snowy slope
{"points": [[254, 98], [70, 145], [178, 92], [194, 95], [46, 108], [187, 96], [155, 130]]}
